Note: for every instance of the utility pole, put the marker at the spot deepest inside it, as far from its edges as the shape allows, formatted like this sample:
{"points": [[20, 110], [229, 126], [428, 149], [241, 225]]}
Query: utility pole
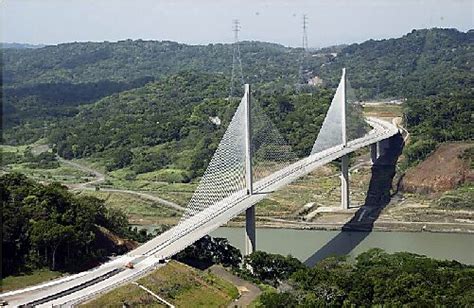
{"points": [[250, 233]]}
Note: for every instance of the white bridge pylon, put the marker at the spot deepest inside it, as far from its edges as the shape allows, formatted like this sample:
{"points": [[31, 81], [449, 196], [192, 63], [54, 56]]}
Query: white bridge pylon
{"points": [[252, 154], [252, 149], [234, 181]]}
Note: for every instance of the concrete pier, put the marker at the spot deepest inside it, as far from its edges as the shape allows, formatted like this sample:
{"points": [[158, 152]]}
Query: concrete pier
{"points": [[250, 238], [345, 182], [250, 212], [382, 146], [373, 153]]}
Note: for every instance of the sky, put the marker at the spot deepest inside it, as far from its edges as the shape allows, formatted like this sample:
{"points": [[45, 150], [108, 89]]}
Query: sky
{"points": [[210, 21]]}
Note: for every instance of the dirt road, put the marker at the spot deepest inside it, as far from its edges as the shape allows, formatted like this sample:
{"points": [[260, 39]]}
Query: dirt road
{"points": [[248, 291]]}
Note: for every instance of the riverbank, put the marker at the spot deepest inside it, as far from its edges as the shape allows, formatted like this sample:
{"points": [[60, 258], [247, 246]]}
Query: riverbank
{"points": [[382, 226], [310, 246]]}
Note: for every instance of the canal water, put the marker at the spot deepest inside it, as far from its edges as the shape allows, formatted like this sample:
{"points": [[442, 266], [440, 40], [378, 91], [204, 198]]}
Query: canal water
{"points": [[313, 245]]}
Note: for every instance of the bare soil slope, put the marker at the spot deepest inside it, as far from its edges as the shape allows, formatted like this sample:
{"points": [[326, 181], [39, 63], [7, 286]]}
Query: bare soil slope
{"points": [[443, 170]]}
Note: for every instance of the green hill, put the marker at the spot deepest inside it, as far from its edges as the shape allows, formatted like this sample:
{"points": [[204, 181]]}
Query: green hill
{"points": [[168, 124], [421, 63], [120, 99]]}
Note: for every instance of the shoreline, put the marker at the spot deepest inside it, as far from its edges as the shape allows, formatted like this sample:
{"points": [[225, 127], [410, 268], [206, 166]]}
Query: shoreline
{"points": [[379, 227], [383, 226]]}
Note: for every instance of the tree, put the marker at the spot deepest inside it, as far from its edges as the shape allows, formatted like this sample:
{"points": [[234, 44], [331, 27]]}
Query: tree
{"points": [[270, 268], [50, 235]]}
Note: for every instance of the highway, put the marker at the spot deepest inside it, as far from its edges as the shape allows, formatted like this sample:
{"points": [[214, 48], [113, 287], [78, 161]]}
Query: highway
{"points": [[83, 286]]}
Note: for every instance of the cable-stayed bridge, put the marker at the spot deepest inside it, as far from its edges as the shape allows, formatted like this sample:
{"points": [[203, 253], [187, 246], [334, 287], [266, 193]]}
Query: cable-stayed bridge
{"points": [[251, 161]]}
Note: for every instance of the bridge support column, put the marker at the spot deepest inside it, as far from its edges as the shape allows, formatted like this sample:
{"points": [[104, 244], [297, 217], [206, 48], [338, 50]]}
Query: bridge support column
{"points": [[345, 182], [382, 145], [373, 153], [250, 212], [250, 238]]}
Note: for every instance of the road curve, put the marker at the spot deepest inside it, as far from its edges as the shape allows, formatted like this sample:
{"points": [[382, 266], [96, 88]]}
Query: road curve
{"points": [[100, 177], [142, 195]]}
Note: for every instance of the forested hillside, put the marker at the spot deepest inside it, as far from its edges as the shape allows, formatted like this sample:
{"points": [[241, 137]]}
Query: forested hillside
{"points": [[374, 279], [47, 226], [169, 124], [421, 63], [127, 100], [44, 84]]}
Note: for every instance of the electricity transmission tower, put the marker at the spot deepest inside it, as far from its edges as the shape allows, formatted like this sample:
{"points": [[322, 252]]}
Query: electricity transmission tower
{"points": [[304, 45], [236, 60]]}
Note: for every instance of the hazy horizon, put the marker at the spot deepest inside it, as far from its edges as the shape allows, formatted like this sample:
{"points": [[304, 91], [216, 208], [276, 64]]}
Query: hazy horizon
{"points": [[204, 44], [51, 22]]}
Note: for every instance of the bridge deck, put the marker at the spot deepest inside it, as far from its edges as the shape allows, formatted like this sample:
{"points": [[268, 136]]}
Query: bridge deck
{"points": [[167, 244]]}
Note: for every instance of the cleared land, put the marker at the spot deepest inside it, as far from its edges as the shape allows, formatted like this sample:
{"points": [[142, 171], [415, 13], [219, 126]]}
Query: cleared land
{"points": [[13, 161], [445, 169], [139, 210]]}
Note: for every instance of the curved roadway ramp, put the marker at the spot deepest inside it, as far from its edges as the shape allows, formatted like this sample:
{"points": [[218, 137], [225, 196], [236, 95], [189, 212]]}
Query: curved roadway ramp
{"points": [[83, 286]]}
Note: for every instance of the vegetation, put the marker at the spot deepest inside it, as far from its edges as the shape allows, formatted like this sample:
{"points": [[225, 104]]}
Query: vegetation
{"points": [[421, 63], [43, 86], [138, 209], [177, 283], [375, 279], [42, 160], [437, 119], [269, 268], [162, 132], [22, 281], [210, 250], [460, 198], [48, 227]]}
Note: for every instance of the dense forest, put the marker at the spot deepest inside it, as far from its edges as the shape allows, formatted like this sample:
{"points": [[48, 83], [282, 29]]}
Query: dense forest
{"points": [[421, 63], [47, 226], [435, 119], [376, 278], [168, 124], [43, 86]]}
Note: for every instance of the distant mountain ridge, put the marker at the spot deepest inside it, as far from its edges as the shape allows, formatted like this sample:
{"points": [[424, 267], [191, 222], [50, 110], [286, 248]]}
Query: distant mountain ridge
{"points": [[377, 68], [21, 45], [49, 84]]}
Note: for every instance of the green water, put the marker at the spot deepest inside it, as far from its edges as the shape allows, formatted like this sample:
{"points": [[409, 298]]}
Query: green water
{"points": [[303, 244], [317, 244]]}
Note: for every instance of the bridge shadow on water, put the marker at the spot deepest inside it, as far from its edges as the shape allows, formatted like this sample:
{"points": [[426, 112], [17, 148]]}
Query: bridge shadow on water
{"points": [[378, 196]]}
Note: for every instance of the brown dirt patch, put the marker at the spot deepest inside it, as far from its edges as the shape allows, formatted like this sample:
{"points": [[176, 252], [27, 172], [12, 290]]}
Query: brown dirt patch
{"points": [[443, 170]]}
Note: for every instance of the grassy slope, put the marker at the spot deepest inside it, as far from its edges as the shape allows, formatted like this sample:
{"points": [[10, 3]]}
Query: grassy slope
{"points": [[22, 281], [64, 173], [138, 210], [179, 284]]}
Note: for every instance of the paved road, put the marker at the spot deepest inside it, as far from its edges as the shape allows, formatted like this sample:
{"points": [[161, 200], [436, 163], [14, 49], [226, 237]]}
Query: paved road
{"points": [[174, 240], [143, 195], [100, 177]]}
